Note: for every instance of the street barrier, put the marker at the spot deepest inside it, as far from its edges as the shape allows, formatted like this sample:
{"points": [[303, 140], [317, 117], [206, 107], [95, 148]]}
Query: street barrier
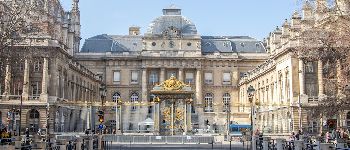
{"points": [[158, 139]]}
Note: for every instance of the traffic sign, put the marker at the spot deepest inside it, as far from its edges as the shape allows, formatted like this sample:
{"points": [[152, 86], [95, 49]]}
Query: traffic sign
{"points": [[100, 126]]}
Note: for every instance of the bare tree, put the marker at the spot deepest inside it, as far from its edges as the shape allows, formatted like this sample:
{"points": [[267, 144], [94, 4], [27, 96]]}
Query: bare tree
{"points": [[328, 40]]}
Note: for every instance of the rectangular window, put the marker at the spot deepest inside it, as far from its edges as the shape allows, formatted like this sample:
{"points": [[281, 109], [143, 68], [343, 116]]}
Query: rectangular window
{"points": [[134, 77], [171, 73], [36, 90], [310, 67], [189, 77], [226, 78], [208, 77], [153, 77], [116, 76], [37, 66]]}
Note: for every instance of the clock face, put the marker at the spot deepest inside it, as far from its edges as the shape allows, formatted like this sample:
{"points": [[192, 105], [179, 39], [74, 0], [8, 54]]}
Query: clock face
{"points": [[171, 44]]}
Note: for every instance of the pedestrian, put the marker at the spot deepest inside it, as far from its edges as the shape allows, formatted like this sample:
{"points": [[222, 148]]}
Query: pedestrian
{"points": [[70, 146], [327, 137], [292, 137], [26, 133], [297, 136]]}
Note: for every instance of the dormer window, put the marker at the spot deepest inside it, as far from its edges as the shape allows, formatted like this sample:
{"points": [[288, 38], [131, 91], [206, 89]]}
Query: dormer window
{"points": [[207, 44], [242, 44], [257, 45], [226, 44]]}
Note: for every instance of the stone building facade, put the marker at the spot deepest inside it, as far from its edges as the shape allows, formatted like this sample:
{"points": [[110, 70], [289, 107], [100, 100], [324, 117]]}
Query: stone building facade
{"points": [[53, 91], [131, 65], [287, 86]]}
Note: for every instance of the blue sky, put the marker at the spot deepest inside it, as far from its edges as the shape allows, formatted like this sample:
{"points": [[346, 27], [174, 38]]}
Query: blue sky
{"points": [[255, 18]]}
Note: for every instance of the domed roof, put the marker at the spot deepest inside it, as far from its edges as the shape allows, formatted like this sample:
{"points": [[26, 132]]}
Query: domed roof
{"points": [[171, 20]]}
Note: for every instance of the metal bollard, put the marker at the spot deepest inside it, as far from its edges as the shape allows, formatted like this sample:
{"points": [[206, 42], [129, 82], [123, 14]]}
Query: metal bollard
{"points": [[99, 142], [266, 143], [91, 143], [326, 146], [253, 142], [279, 143], [298, 145], [78, 144]]}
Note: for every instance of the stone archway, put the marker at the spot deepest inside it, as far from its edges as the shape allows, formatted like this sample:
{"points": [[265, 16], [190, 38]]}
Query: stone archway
{"points": [[33, 120]]}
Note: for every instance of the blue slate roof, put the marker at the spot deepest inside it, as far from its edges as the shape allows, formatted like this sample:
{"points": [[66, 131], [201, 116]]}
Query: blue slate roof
{"points": [[231, 44], [210, 44], [112, 43]]}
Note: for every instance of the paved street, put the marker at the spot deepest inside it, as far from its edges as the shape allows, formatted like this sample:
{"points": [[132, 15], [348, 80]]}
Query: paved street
{"points": [[175, 146]]}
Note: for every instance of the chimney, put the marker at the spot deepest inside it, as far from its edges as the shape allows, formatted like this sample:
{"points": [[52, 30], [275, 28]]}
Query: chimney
{"points": [[134, 30]]}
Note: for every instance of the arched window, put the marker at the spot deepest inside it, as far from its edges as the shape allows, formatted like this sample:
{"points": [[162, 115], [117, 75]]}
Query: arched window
{"points": [[133, 99], [116, 96], [226, 99], [33, 120], [33, 114], [208, 102], [37, 66]]}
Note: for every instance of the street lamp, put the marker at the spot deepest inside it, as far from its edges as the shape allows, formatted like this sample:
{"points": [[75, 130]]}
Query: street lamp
{"points": [[251, 92], [118, 115], [103, 95], [228, 116]]}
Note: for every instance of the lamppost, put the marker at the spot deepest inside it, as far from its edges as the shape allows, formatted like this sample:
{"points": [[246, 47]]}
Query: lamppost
{"points": [[119, 116], [103, 95], [228, 116], [251, 92]]}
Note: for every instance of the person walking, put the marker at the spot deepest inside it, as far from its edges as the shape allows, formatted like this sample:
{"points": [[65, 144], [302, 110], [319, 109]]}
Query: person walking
{"points": [[327, 137], [292, 137]]}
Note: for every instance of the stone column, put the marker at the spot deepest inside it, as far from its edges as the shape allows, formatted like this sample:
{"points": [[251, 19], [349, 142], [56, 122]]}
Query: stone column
{"points": [[189, 119], [25, 93], [44, 95], [162, 75], [18, 142], [339, 76], [181, 74], [301, 77], [91, 143], [172, 117], [99, 143], [320, 78], [156, 118], [199, 99], [185, 117], [7, 82], [199, 94], [144, 85], [78, 144]]}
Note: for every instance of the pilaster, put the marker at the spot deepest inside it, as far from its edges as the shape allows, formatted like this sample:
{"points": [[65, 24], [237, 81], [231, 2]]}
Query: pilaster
{"points": [[144, 85], [162, 75], [181, 74], [301, 77], [44, 95], [7, 82], [25, 93], [320, 78]]}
